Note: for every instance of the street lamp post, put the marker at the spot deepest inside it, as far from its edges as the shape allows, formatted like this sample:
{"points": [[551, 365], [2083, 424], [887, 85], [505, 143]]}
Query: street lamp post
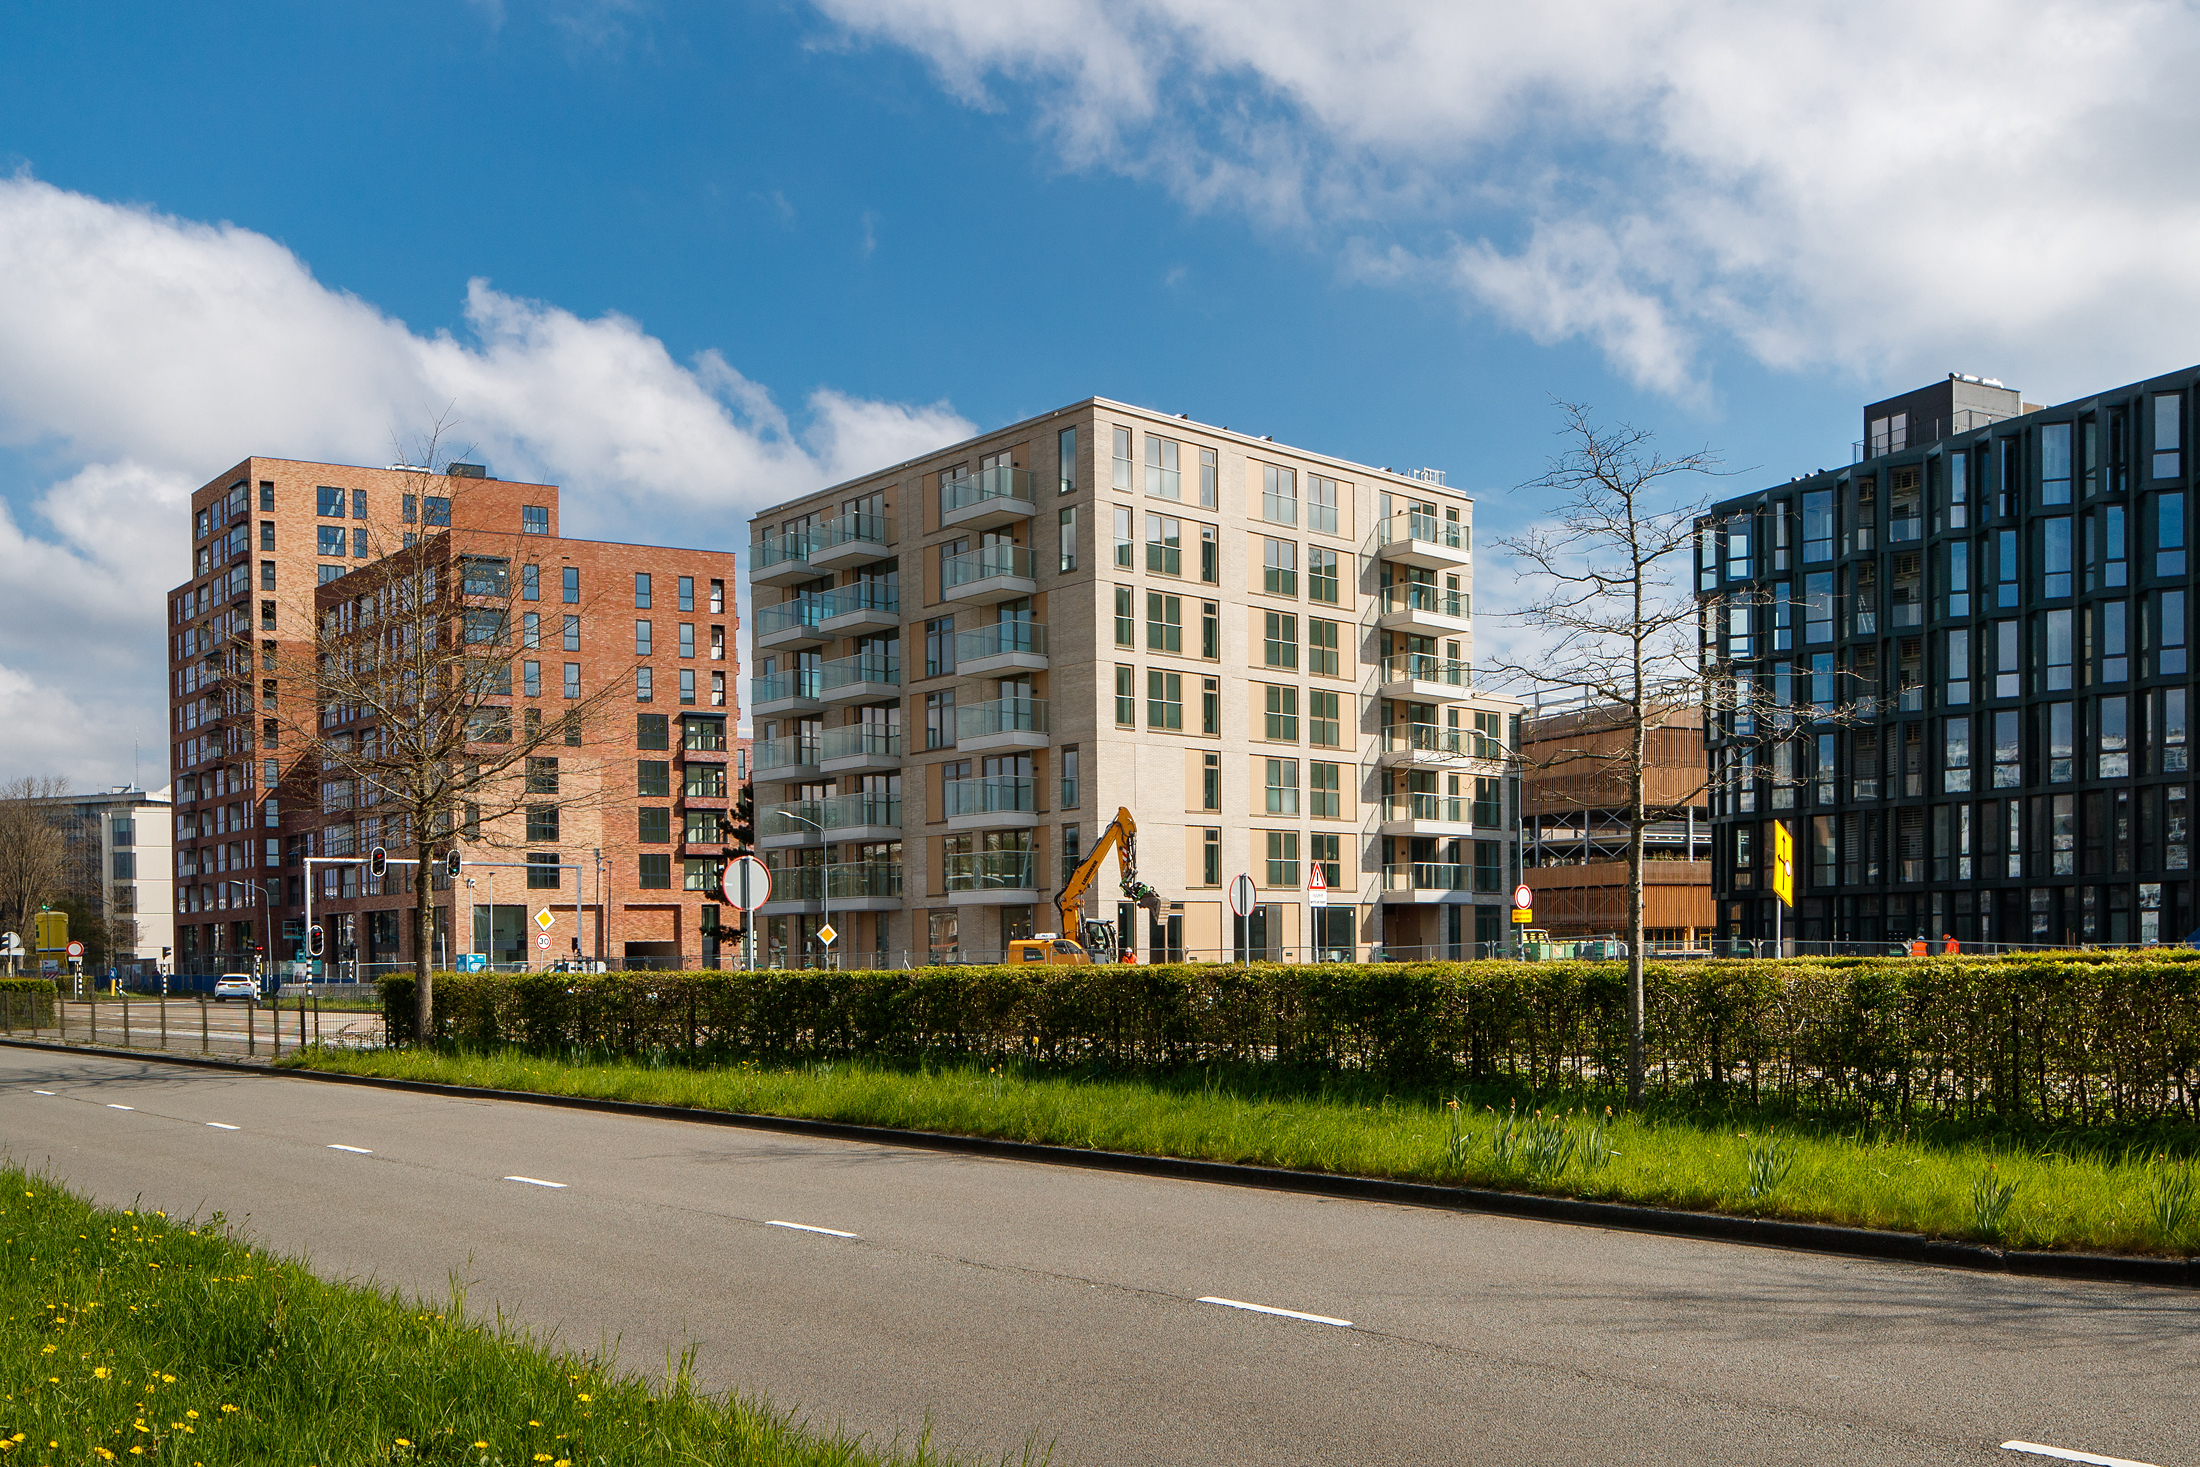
{"points": [[825, 877]]}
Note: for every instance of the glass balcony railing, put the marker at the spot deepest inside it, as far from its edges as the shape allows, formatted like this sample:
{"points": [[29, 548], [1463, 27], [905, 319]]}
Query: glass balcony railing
{"points": [[862, 596], [838, 812], [796, 682], [999, 482], [803, 611], [984, 563], [1427, 876], [1427, 738], [792, 753], [853, 879], [780, 549], [1002, 715], [853, 529], [989, 796], [870, 740], [1427, 667], [869, 667], [1003, 636], [990, 871], [1416, 596], [1429, 529], [797, 883], [1448, 809]]}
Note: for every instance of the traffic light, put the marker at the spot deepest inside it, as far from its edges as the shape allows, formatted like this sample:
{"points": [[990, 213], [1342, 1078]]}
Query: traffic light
{"points": [[314, 938], [454, 860], [378, 861]]}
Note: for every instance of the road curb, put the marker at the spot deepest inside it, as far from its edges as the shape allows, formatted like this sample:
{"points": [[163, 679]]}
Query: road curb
{"points": [[1621, 1216]]}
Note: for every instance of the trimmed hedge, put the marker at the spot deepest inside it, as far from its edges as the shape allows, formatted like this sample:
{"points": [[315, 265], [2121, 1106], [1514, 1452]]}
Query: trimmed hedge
{"points": [[2085, 1037], [35, 1009]]}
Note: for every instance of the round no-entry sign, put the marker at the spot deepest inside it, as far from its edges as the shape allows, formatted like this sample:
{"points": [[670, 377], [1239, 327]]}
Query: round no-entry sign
{"points": [[76, 949], [1242, 896], [1523, 898]]}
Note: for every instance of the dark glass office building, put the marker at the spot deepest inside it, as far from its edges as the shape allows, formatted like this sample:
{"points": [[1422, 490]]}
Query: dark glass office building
{"points": [[1958, 670]]}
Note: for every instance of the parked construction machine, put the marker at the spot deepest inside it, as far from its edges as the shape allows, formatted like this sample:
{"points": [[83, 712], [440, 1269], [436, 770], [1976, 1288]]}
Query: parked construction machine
{"points": [[1081, 941]]}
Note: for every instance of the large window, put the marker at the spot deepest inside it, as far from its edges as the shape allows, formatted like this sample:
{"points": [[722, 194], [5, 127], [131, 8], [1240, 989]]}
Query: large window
{"points": [[1164, 699], [1283, 859], [1162, 479], [542, 871], [1122, 458], [1325, 729], [939, 646], [2055, 463], [1065, 463], [1067, 536], [1321, 504], [1164, 545], [1283, 787], [1322, 581], [1282, 714], [1123, 539], [655, 873], [1321, 647], [1164, 622], [1325, 785], [1279, 575], [1279, 495], [939, 720], [1126, 696], [1280, 639], [329, 502], [1126, 627]]}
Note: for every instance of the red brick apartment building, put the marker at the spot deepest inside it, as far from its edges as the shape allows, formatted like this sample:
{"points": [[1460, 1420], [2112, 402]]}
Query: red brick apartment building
{"points": [[624, 875]]}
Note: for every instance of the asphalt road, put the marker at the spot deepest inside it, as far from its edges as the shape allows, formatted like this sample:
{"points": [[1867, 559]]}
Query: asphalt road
{"points": [[1006, 1302]]}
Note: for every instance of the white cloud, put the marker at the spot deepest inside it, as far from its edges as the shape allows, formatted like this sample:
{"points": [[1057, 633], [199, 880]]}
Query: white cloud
{"points": [[141, 354], [1880, 188]]}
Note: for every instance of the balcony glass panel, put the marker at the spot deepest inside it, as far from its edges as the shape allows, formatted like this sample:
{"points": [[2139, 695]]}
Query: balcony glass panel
{"points": [[1426, 667], [1005, 636], [873, 740], [987, 796], [785, 753], [1417, 525], [862, 596], [1427, 876], [853, 529], [799, 682], [998, 482], [863, 879], [872, 667], [990, 871], [1002, 715], [1419, 596], [798, 883], [986, 562], [1450, 809], [778, 549], [803, 611]]}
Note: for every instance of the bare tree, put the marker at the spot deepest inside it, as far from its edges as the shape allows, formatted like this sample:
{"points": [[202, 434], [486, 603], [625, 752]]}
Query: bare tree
{"points": [[1620, 630], [33, 856], [408, 710]]}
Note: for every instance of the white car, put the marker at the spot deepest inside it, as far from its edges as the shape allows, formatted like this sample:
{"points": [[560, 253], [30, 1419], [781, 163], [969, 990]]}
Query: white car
{"points": [[236, 985]]}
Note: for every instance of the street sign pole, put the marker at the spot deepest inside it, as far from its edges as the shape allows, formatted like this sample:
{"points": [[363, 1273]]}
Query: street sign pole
{"points": [[746, 885], [1783, 883], [1243, 898]]}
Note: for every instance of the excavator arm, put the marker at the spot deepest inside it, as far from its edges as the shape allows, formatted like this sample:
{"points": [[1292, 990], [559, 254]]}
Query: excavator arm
{"points": [[1122, 835]]}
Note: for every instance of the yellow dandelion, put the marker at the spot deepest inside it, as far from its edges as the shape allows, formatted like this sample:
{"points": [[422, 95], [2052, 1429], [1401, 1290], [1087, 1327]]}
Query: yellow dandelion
{"points": [[584, 1395], [101, 1372], [192, 1414], [229, 1408], [403, 1443], [481, 1444], [168, 1379]]}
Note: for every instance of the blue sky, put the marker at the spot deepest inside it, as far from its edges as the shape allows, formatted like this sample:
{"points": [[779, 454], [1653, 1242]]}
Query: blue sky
{"points": [[826, 233]]}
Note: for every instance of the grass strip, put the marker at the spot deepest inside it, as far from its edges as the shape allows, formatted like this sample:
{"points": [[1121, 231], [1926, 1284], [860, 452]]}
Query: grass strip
{"points": [[2070, 1191], [134, 1337]]}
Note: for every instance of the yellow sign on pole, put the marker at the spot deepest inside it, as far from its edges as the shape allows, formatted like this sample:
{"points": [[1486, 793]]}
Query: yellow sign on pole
{"points": [[1783, 863], [1523, 915]]}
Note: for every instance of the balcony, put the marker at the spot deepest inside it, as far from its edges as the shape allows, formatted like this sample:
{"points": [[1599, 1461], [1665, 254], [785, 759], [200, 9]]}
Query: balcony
{"points": [[1005, 723], [853, 539], [1455, 748], [776, 759], [1421, 539], [1424, 610], [795, 889], [863, 886], [1418, 882], [781, 560], [1424, 677], [989, 574], [838, 817], [791, 624], [1426, 814], [1002, 647], [992, 878], [860, 748], [793, 691], [998, 802], [987, 498], [864, 678], [867, 606]]}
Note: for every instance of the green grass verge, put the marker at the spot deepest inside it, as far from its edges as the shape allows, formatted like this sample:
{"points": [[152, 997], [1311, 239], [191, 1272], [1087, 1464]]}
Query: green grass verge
{"points": [[2130, 1193], [133, 1337]]}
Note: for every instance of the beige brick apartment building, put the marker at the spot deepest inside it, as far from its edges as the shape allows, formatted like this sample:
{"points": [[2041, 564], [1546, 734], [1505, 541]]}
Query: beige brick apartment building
{"points": [[276, 544], [967, 662]]}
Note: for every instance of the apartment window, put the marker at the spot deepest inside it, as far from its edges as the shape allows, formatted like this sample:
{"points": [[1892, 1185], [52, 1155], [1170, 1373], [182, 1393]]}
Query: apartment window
{"points": [[2108, 622], [652, 731], [1126, 696], [1164, 544], [542, 776], [531, 678], [1283, 859], [1282, 725], [2106, 567], [1489, 802], [1164, 622], [530, 582], [2054, 633], [687, 593], [1070, 789], [1818, 606], [267, 575], [1322, 580], [330, 539], [328, 502], [1283, 787], [939, 720], [1325, 728], [2061, 740], [2055, 463], [542, 824], [1126, 629], [1164, 699], [1818, 526], [2169, 632], [652, 779], [1325, 787], [1066, 534], [534, 519], [1279, 495], [572, 679], [1956, 582], [2174, 757], [1123, 539], [687, 639], [436, 510], [1321, 504], [687, 686], [1122, 458], [2111, 738], [644, 637], [1207, 478], [655, 873], [1321, 647], [641, 590], [1279, 574], [2169, 534], [572, 634], [2167, 438], [1956, 664], [1210, 856], [1162, 479], [1210, 782], [1065, 463], [1210, 556], [267, 534], [1327, 852], [1279, 639], [2053, 549], [717, 597], [2008, 749], [267, 494], [1955, 755], [939, 646], [572, 585], [1210, 705], [2008, 676], [408, 508], [358, 504]]}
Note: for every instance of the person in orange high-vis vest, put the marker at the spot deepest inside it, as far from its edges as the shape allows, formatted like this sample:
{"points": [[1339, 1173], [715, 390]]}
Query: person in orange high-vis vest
{"points": [[1947, 944]]}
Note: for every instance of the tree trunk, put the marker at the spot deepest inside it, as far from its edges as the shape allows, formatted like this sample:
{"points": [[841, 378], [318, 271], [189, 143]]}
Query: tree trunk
{"points": [[424, 946], [1635, 959]]}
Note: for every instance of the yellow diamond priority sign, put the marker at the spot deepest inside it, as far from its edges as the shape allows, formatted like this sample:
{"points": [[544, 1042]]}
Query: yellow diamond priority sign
{"points": [[826, 934], [544, 920]]}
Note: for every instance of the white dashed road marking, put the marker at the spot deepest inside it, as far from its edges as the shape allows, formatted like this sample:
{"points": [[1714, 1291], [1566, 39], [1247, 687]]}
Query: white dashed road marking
{"points": [[1270, 1309], [806, 1228], [112, 1106], [2065, 1454], [536, 1182], [41, 1092], [354, 1150], [217, 1125]]}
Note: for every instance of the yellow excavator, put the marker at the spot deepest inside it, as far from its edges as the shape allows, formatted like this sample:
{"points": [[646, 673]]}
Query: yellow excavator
{"points": [[1094, 941]]}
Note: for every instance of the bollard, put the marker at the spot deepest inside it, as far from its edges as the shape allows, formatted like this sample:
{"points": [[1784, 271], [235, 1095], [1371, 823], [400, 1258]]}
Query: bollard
{"points": [[202, 1024], [301, 1022], [252, 1027], [125, 1018], [275, 1025], [164, 1021]]}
